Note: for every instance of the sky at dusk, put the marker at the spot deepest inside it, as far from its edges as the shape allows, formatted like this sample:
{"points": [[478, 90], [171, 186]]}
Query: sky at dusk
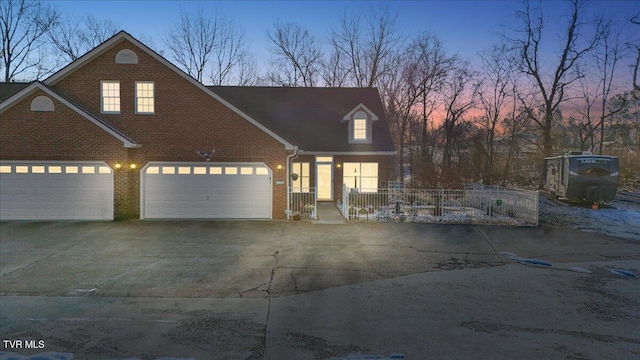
{"points": [[465, 27]]}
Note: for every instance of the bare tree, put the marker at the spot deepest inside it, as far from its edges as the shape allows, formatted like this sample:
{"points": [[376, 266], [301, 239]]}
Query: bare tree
{"points": [[494, 95], [335, 70], [23, 23], [369, 43], [607, 55], [74, 37], [528, 42], [400, 95], [206, 45], [636, 83], [459, 99], [584, 123], [247, 71], [431, 68], [297, 55]]}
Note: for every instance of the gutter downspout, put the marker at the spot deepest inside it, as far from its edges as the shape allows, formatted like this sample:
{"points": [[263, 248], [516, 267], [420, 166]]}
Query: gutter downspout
{"points": [[289, 158]]}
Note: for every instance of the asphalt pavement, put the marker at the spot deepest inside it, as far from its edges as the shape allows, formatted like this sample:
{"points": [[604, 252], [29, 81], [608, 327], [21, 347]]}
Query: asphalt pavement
{"points": [[299, 290]]}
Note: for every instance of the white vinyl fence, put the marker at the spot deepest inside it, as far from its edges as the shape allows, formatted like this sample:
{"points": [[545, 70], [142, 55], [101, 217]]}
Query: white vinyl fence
{"points": [[302, 202], [496, 206]]}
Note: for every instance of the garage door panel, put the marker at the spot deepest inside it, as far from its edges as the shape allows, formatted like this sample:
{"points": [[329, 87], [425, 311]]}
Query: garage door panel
{"points": [[208, 196], [56, 196]]}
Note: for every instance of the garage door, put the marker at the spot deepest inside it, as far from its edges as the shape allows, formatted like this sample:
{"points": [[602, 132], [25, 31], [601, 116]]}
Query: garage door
{"points": [[56, 191], [211, 191]]}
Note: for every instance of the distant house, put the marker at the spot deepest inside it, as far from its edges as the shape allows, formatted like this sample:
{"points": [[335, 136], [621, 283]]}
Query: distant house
{"points": [[123, 133]]}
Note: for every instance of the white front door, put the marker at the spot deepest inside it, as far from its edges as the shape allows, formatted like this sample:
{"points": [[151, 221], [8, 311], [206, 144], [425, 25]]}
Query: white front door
{"points": [[324, 177]]}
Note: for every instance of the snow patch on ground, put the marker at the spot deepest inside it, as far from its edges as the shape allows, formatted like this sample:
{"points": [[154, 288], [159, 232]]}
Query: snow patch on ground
{"points": [[619, 218]]}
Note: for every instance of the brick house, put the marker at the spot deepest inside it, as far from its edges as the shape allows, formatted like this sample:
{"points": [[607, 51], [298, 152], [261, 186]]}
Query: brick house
{"points": [[123, 133]]}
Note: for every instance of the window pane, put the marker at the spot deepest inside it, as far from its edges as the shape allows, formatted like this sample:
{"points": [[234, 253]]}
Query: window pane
{"points": [[262, 171], [71, 169], [37, 169], [349, 169], [184, 170], [168, 170], [104, 170], [360, 129], [22, 169], [199, 170], [369, 169], [55, 169], [215, 170], [5, 169], [153, 170], [88, 170], [110, 96], [246, 171], [144, 97], [324, 158], [231, 170], [368, 184]]}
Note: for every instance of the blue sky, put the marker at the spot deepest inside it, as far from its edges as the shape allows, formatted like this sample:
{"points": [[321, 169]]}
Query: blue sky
{"points": [[465, 27]]}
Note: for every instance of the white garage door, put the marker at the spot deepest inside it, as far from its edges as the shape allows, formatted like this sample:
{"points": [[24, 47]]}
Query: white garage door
{"points": [[205, 191], [56, 191]]}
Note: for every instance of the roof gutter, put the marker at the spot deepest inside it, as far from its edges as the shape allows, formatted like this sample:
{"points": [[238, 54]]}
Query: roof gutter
{"points": [[289, 159]]}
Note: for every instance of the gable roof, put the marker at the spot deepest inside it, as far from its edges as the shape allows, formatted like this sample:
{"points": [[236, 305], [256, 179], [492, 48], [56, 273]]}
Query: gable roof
{"points": [[7, 90], [31, 88], [311, 118], [122, 36]]}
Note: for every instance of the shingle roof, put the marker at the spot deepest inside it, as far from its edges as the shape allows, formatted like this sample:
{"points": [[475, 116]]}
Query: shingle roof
{"points": [[7, 90], [311, 118]]}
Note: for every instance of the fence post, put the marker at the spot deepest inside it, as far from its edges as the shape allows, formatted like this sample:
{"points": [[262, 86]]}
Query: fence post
{"points": [[490, 207], [345, 201]]}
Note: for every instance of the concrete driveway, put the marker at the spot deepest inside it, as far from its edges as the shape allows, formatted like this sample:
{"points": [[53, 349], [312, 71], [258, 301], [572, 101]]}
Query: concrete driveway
{"points": [[280, 290]]}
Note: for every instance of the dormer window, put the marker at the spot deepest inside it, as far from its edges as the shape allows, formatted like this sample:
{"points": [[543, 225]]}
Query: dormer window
{"points": [[360, 125], [360, 129]]}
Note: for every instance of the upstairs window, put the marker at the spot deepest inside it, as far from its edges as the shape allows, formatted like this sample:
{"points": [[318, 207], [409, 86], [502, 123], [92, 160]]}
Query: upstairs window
{"points": [[110, 97], [360, 125], [360, 129], [145, 97]]}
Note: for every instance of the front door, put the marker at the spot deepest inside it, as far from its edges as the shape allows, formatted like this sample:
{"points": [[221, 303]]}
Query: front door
{"points": [[324, 174]]}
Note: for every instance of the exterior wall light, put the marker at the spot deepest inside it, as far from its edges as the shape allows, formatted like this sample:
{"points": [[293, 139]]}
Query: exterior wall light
{"points": [[279, 167], [133, 166], [338, 165], [118, 165]]}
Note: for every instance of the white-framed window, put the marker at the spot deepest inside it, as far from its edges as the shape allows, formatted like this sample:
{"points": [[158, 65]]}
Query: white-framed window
{"points": [[359, 129], [362, 176], [145, 103], [110, 97], [301, 184]]}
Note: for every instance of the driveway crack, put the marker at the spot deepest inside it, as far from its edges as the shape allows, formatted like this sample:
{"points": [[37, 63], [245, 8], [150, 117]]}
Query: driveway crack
{"points": [[266, 324]]}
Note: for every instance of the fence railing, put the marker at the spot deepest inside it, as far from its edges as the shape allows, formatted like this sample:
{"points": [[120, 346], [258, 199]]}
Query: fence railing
{"points": [[481, 206], [302, 202]]}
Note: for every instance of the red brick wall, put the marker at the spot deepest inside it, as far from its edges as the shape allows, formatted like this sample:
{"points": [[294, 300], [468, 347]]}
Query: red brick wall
{"points": [[186, 119]]}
